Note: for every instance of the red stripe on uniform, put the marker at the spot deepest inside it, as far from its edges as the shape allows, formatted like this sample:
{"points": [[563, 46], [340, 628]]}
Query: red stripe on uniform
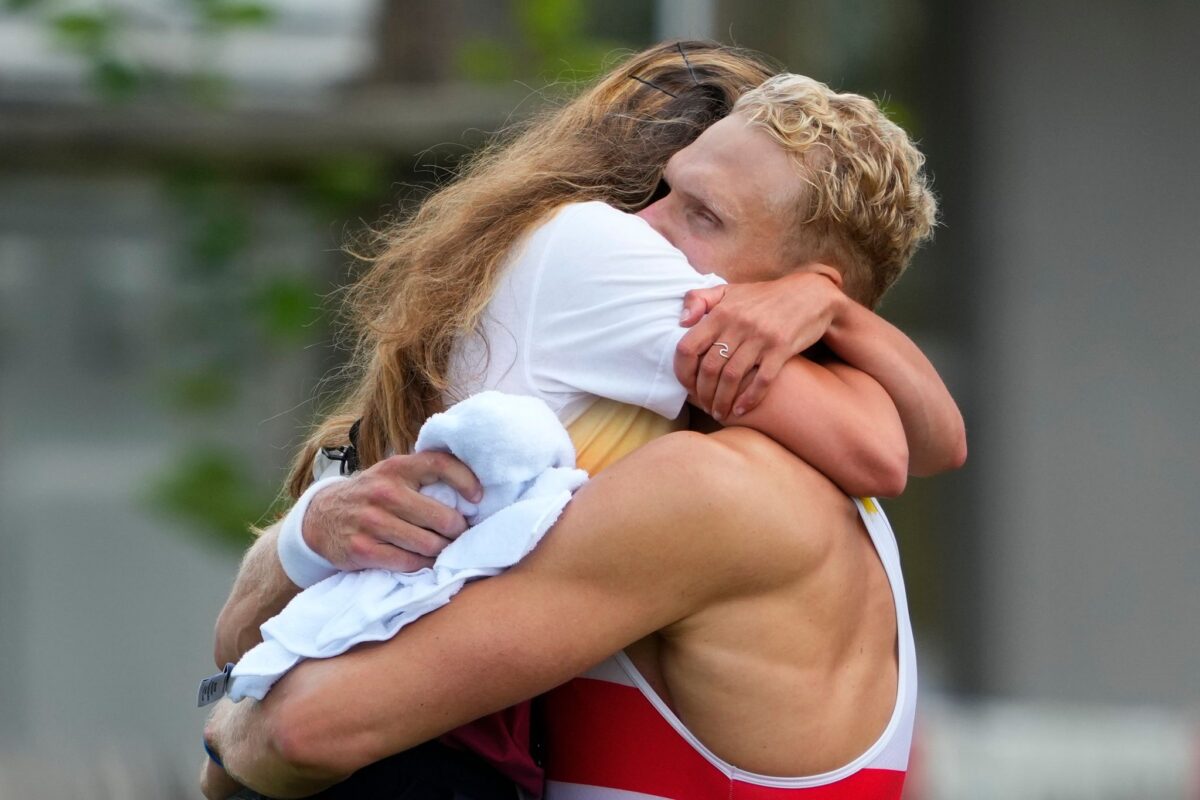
{"points": [[866, 784], [609, 735], [605, 734]]}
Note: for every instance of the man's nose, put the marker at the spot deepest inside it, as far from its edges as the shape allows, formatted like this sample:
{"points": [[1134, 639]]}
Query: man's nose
{"points": [[656, 217]]}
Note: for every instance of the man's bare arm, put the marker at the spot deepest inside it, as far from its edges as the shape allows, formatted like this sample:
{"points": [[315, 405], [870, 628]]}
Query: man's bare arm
{"points": [[621, 563], [768, 323], [933, 425], [839, 420]]}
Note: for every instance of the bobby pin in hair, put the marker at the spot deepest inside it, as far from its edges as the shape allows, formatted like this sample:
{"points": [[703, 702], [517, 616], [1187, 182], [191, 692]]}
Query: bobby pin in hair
{"points": [[653, 86], [692, 72]]}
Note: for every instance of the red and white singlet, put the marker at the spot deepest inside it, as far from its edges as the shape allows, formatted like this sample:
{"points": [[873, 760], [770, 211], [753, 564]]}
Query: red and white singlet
{"points": [[612, 738]]}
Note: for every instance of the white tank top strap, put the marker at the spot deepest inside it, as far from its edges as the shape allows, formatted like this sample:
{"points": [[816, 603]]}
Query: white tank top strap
{"points": [[594, 715]]}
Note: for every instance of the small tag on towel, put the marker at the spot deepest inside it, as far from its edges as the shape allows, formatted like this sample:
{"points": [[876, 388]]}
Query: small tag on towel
{"points": [[213, 687]]}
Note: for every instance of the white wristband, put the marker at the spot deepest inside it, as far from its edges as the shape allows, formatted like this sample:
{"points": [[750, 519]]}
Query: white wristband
{"points": [[303, 565]]}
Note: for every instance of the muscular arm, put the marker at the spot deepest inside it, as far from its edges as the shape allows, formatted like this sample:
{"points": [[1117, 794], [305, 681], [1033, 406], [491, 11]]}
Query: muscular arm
{"points": [[838, 419], [848, 438], [933, 425], [599, 581], [830, 415]]}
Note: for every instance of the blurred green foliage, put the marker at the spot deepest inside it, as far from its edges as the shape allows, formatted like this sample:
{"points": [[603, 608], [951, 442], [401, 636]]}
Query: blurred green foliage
{"points": [[551, 38], [902, 114], [233, 306], [86, 31], [285, 308], [236, 307], [92, 35], [204, 390], [212, 487], [335, 186], [98, 37], [229, 14]]}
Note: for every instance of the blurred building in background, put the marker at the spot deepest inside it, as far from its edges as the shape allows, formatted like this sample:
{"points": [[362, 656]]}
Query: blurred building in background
{"points": [[177, 181]]}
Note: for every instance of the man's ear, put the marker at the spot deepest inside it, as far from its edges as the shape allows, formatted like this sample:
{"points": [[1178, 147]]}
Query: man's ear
{"points": [[829, 271]]}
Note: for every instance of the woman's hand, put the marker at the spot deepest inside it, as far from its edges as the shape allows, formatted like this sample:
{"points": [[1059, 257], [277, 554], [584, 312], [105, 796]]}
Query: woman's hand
{"points": [[746, 328], [380, 519]]}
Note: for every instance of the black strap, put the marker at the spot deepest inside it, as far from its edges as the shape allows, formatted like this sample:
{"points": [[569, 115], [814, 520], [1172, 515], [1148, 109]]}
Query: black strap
{"points": [[431, 771], [347, 454]]}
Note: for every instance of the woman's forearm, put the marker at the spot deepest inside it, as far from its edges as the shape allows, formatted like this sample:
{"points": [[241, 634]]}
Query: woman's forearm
{"points": [[932, 422]]}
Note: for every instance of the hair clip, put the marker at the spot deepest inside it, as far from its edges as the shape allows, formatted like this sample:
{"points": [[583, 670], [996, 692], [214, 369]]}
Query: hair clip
{"points": [[653, 86], [347, 454], [692, 72]]}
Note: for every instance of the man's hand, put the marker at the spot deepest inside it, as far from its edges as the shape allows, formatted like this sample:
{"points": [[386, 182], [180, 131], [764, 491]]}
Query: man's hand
{"points": [[749, 327], [215, 783], [380, 519]]}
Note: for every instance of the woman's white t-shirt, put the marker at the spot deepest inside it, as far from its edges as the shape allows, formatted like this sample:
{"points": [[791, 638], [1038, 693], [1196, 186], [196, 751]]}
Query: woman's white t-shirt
{"points": [[589, 307]]}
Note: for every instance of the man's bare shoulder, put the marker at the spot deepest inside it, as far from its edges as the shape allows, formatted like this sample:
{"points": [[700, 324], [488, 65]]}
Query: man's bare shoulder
{"points": [[746, 501], [795, 506]]}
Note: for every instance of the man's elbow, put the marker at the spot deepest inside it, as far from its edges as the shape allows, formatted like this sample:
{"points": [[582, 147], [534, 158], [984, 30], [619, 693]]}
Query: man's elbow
{"points": [[224, 650], [945, 459], [232, 638], [955, 453], [892, 456], [958, 452], [303, 753], [302, 745], [874, 469], [891, 474]]}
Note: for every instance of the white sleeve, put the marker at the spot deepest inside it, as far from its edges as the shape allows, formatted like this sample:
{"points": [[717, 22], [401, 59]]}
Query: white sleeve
{"points": [[303, 565], [604, 317]]}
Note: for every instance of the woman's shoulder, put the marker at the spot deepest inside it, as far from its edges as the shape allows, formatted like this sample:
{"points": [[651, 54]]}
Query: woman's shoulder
{"points": [[591, 211], [600, 226]]}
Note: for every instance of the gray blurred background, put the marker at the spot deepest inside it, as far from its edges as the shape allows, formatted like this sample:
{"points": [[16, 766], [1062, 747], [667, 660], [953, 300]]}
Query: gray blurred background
{"points": [[177, 180]]}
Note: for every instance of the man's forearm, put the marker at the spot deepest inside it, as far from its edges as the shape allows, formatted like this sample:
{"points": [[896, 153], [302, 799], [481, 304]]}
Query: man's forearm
{"points": [[254, 756], [932, 422], [839, 420], [260, 591]]}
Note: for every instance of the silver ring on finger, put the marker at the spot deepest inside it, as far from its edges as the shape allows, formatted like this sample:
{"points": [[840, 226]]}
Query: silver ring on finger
{"points": [[724, 352]]}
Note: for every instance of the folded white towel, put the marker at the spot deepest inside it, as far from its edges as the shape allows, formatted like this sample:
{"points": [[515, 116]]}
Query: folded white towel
{"points": [[523, 457]]}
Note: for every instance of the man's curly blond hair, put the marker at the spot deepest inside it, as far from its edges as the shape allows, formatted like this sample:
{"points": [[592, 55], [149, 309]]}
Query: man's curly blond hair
{"points": [[867, 206]]}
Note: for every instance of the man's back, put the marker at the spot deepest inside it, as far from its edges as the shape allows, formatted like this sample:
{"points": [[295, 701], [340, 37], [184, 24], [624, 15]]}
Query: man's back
{"points": [[792, 670]]}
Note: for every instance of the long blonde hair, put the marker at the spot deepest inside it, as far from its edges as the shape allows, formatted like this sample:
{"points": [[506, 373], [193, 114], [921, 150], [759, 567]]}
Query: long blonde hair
{"points": [[433, 273]]}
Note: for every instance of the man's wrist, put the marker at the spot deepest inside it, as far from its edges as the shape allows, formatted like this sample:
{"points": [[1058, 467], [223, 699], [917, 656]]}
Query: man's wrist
{"points": [[841, 316], [303, 565]]}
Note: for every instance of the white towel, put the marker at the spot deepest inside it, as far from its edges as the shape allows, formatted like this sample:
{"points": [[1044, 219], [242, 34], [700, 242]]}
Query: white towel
{"points": [[523, 457]]}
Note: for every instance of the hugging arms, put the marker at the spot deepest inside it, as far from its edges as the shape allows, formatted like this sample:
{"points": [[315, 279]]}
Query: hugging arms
{"points": [[835, 416], [861, 431]]}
